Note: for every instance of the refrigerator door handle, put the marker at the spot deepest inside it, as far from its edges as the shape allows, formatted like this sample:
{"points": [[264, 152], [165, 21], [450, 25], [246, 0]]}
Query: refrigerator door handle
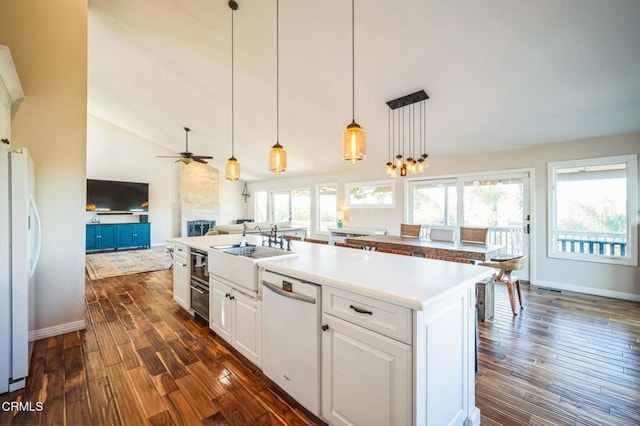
{"points": [[35, 250]]}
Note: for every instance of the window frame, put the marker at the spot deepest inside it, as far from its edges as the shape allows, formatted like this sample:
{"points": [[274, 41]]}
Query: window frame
{"points": [[317, 224], [349, 186], [631, 161]]}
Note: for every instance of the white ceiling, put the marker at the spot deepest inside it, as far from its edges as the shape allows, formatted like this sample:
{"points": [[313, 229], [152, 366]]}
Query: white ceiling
{"points": [[500, 74]]}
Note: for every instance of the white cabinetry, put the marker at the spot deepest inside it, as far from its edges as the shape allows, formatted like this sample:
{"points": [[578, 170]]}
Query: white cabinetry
{"points": [[341, 234], [384, 364], [366, 376], [10, 91], [237, 318], [181, 276]]}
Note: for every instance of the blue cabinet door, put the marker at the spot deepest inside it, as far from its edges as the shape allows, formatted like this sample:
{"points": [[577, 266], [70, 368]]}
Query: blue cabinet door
{"points": [[143, 234], [126, 235], [90, 242], [106, 237]]}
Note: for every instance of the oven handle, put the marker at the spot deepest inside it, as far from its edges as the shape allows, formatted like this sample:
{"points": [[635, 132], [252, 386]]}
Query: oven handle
{"points": [[291, 295], [198, 290]]}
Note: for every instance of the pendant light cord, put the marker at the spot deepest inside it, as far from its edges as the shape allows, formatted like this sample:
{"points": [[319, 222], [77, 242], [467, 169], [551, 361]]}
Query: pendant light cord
{"points": [[232, 91], [353, 61], [277, 71]]}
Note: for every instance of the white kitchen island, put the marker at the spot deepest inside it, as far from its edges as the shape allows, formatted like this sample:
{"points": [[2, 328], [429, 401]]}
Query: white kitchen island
{"points": [[397, 345]]}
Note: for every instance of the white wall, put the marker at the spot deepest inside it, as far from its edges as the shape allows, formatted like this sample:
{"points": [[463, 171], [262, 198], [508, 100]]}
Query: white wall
{"points": [[48, 42], [116, 154], [595, 278]]}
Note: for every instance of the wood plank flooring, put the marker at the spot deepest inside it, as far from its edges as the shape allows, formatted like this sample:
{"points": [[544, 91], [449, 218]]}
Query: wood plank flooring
{"points": [[566, 359]]}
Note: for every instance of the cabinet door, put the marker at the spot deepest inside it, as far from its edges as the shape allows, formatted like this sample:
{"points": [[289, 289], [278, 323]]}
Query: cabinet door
{"points": [[126, 235], [247, 327], [91, 243], [106, 236], [366, 377], [142, 234], [220, 309], [181, 288]]}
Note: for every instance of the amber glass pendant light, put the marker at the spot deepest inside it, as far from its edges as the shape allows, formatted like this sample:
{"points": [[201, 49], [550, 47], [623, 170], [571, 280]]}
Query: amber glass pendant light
{"points": [[354, 145], [277, 154], [232, 171]]}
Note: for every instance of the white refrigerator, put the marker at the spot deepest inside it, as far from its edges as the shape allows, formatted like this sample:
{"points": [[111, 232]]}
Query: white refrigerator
{"points": [[19, 251]]}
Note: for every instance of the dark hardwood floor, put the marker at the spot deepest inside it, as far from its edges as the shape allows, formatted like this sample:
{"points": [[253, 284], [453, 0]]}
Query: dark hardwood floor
{"points": [[566, 359]]}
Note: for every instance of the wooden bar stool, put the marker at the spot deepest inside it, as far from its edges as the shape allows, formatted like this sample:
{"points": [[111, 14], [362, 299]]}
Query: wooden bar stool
{"points": [[506, 267]]}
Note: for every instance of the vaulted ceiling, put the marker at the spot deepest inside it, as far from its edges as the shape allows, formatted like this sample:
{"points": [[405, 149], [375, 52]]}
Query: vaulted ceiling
{"points": [[500, 73]]}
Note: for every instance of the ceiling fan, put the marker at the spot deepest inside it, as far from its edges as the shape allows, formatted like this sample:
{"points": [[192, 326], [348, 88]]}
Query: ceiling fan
{"points": [[187, 157]]}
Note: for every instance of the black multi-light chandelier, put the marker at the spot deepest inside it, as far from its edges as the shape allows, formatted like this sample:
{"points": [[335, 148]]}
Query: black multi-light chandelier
{"points": [[407, 145]]}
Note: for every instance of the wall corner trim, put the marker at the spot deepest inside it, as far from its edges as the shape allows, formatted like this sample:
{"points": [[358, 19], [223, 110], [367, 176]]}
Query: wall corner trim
{"points": [[56, 330]]}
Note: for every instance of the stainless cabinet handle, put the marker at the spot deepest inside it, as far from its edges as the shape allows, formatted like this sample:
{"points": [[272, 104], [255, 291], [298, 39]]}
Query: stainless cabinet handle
{"points": [[360, 310]]}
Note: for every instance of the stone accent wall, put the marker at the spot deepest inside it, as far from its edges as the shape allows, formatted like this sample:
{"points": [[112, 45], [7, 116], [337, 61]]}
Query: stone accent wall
{"points": [[199, 194]]}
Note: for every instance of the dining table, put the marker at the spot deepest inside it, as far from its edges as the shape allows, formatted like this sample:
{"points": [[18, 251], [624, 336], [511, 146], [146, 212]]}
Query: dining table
{"points": [[434, 249]]}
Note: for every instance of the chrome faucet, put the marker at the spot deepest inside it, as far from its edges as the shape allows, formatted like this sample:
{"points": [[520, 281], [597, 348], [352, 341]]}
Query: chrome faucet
{"points": [[261, 234], [274, 241]]}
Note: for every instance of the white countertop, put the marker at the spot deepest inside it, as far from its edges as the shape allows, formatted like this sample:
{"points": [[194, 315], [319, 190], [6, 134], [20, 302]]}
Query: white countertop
{"points": [[412, 282]]}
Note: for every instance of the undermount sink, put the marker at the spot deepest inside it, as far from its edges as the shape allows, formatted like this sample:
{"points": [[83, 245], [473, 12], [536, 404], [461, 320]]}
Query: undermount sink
{"points": [[256, 252], [239, 265]]}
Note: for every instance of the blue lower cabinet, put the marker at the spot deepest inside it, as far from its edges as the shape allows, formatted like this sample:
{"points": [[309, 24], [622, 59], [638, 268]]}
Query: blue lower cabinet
{"points": [[117, 236]]}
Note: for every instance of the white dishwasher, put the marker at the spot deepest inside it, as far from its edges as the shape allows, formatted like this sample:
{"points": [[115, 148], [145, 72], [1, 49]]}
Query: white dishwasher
{"points": [[291, 337]]}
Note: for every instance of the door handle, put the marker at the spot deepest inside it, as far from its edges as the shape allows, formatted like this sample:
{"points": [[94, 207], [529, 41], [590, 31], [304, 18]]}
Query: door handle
{"points": [[325, 327]]}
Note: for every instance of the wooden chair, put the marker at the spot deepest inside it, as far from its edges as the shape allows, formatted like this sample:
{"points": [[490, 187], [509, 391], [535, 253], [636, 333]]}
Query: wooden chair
{"points": [[504, 276], [393, 251], [474, 235], [349, 245], [410, 231], [314, 240], [292, 237]]}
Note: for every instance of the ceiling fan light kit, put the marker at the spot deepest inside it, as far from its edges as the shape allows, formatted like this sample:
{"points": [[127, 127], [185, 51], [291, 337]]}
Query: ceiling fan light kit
{"points": [[405, 113], [354, 146], [277, 153]]}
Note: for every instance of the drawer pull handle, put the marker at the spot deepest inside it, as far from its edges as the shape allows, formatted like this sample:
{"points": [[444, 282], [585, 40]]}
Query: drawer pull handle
{"points": [[360, 310]]}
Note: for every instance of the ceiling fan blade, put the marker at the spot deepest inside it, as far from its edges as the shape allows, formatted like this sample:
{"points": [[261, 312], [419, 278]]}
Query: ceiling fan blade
{"points": [[203, 157], [199, 160], [168, 156]]}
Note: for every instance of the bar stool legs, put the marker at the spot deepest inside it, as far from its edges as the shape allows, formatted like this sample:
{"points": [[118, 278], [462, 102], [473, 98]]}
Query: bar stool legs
{"points": [[511, 282]]}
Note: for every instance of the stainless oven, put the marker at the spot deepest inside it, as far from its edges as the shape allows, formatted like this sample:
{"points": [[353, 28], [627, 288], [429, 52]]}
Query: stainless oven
{"points": [[199, 283]]}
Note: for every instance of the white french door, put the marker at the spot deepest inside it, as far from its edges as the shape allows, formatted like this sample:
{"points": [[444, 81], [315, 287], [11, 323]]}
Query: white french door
{"points": [[500, 201]]}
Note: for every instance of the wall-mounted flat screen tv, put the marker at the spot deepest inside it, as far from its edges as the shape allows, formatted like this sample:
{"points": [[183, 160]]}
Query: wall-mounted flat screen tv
{"points": [[109, 196]]}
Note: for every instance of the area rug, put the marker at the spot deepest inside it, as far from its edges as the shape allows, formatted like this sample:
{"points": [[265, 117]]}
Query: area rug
{"points": [[113, 264]]}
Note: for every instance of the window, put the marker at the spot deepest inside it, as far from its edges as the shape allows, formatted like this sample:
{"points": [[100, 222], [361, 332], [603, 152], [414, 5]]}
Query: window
{"points": [[594, 209], [301, 208], [434, 202], [261, 207], [370, 194], [289, 205], [327, 202]]}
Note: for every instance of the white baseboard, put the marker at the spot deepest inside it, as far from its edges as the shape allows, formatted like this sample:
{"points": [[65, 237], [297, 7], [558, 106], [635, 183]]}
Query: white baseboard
{"points": [[56, 330], [588, 290]]}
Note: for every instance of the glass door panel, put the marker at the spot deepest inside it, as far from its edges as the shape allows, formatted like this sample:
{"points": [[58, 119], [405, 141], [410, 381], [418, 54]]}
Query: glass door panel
{"points": [[501, 204], [281, 206]]}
